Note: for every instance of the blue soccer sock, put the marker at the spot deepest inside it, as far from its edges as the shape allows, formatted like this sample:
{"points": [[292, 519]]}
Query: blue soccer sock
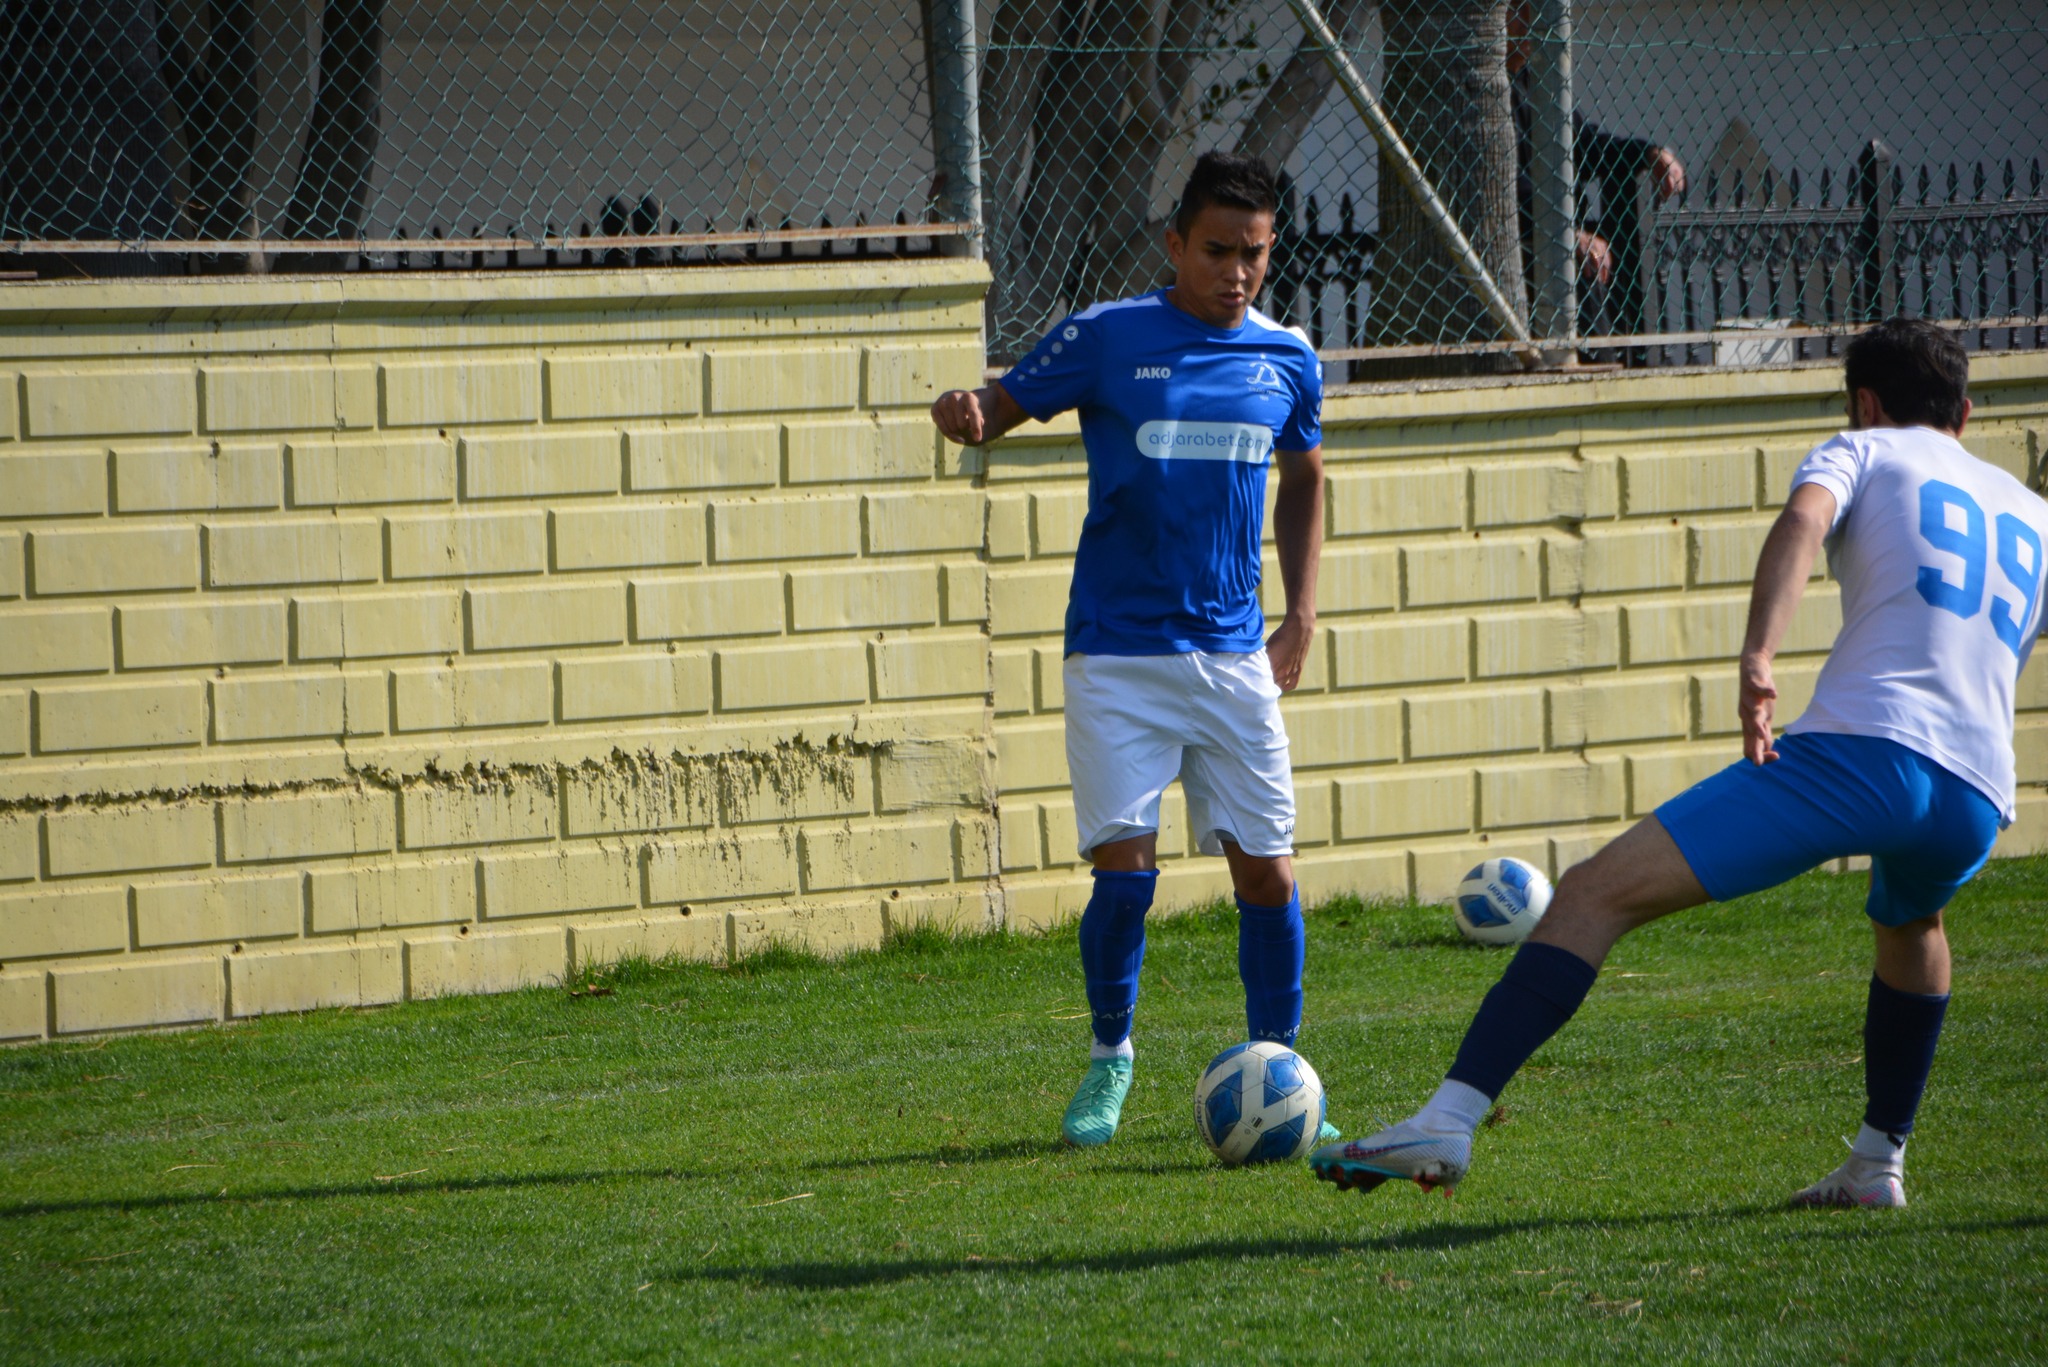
{"points": [[1270, 945], [1112, 948], [1541, 989], [1899, 1034]]}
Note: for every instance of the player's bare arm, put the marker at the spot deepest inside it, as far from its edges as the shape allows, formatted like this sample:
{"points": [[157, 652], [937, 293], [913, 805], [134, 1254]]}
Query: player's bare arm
{"points": [[974, 417], [1782, 570], [1298, 535]]}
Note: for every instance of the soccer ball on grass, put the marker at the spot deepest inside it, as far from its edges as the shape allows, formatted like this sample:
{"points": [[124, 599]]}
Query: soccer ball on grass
{"points": [[1259, 1103], [1501, 901]]}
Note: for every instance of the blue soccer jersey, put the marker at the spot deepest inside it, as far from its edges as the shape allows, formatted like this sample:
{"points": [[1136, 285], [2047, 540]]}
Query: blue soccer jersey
{"points": [[1180, 420]]}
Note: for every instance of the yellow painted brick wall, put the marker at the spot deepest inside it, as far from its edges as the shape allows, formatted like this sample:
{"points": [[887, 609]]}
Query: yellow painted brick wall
{"points": [[370, 638]]}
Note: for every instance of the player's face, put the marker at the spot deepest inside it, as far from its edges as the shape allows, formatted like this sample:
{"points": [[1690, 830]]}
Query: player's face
{"points": [[1221, 263]]}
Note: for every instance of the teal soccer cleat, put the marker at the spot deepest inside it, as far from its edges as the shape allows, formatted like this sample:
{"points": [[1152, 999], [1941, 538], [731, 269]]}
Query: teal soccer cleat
{"points": [[1433, 1161], [1329, 1134], [1098, 1103]]}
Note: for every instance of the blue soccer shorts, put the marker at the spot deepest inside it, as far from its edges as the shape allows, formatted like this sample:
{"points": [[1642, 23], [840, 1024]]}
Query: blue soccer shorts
{"points": [[1752, 826]]}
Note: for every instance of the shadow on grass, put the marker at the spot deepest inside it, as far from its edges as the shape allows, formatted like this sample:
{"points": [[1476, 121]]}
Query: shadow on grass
{"points": [[169, 1200], [836, 1276], [950, 1154]]}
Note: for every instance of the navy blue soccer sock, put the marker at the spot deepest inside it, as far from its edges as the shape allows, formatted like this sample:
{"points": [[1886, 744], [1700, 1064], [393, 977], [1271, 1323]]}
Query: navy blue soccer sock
{"points": [[1270, 945], [1899, 1033], [1541, 989], [1113, 948]]}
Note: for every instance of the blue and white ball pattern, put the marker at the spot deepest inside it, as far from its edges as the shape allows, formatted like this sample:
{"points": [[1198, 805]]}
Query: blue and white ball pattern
{"points": [[1259, 1103], [1501, 901]]}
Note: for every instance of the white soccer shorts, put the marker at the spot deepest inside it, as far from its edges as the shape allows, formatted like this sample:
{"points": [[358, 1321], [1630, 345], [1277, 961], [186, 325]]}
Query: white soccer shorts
{"points": [[1135, 722]]}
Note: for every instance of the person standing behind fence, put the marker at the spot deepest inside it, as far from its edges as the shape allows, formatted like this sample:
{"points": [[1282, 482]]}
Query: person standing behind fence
{"points": [[1184, 395]]}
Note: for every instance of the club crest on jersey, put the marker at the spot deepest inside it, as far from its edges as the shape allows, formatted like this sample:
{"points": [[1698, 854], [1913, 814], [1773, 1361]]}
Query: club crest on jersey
{"points": [[1154, 372], [1263, 376]]}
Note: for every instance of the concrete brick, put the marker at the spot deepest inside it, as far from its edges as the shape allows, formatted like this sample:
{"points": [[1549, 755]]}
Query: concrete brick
{"points": [[617, 799], [830, 929], [714, 456], [1689, 483], [712, 605], [1401, 652], [314, 551], [1494, 722], [408, 893], [176, 479], [296, 706], [1028, 602], [1010, 674], [1514, 495], [541, 465], [1716, 694], [270, 830], [20, 847], [772, 380], [559, 615], [440, 546], [628, 538], [931, 668], [1657, 778], [93, 840], [1056, 520], [1397, 803], [24, 1005], [439, 818], [470, 390], [59, 641], [1551, 794], [1063, 841], [1347, 732], [1488, 571], [59, 484], [450, 698], [265, 983], [2030, 753], [627, 385], [927, 520], [965, 587], [2028, 833], [1032, 756], [863, 449], [2032, 692], [13, 579], [271, 398], [918, 374], [175, 635], [1049, 666], [1726, 553], [792, 676], [1780, 462], [1538, 643], [1350, 579], [268, 907], [883, 596], [46, 923], [1406, 501], [1633, 559], [1611, 711], [692, 939], [1009, 526], [690, 871], [1040, 906], [1017, 827], [800, 791], [113, 559], [1314, 814], [13, 723], [594, 877], [1330, 873], [1698, 627], [110, 402], [636, 686], [120, 717], [393, 470], [957, 773], [502, 961], [2004, 448], [953, 912], [370, 626], [786, 529], [1438, 872], [126, 996]]}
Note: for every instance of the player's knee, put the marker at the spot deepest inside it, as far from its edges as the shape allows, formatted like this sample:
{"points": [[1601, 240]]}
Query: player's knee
{"points": [[1594, 893], [1265, 885]]}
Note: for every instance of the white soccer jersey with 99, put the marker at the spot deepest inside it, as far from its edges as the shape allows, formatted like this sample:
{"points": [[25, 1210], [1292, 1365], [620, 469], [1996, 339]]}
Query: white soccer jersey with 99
{"points": [[1940, 561]]}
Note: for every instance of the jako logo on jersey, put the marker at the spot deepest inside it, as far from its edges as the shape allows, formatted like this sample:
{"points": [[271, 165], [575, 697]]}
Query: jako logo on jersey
{"points": [[1154, 372], [1171, 440]]}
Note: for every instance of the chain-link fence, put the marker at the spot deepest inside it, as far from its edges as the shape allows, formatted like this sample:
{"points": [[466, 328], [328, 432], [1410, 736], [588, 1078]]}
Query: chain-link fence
{"points": [[1477, 184]]}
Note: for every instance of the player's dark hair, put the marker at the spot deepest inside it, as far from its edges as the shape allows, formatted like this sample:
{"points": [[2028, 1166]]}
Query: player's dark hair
{"points": [[1919, 372], [1228, 179]]}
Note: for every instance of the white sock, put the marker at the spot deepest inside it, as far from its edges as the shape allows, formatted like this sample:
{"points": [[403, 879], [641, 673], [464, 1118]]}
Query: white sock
{"points": [[1097, 1049], [1455, 1108], [1878, 1146]]}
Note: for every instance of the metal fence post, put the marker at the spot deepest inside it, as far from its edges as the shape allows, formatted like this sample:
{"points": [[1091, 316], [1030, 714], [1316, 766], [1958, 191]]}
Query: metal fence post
{"points": [[1876, 292], [1556, 211], [956, 120]]}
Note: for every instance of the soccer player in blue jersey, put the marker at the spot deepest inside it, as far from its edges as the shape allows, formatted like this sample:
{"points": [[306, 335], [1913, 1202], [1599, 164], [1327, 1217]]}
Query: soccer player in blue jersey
{"points": [[1185, 395], [1905, 754]]}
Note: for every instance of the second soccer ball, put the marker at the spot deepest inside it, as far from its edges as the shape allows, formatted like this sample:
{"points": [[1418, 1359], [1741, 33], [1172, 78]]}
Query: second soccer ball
{"points": [[1501, 901]]}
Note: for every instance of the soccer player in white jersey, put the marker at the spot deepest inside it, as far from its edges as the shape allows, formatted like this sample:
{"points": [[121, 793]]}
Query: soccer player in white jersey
{"points": [[1184, 395], [1905, 754]]}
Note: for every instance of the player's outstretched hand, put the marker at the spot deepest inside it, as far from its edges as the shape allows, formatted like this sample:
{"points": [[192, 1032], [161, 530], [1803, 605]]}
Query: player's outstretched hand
{"points": [[1755, 707], [958, 416], [1287, 651]]}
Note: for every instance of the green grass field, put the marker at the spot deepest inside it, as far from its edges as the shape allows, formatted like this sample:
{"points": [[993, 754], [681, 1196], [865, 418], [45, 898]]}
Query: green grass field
{"points": [[798, 1161]]}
